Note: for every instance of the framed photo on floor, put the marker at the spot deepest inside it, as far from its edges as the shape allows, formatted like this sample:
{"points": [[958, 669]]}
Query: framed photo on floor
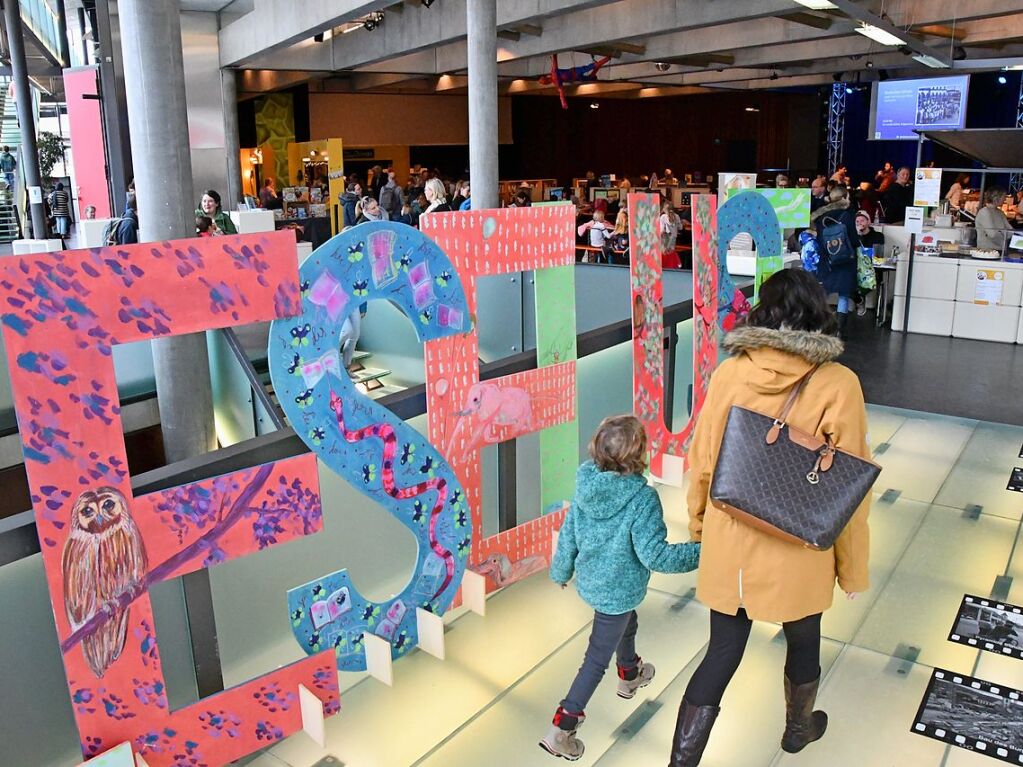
{"points": [[989, 625], [972, 714]]}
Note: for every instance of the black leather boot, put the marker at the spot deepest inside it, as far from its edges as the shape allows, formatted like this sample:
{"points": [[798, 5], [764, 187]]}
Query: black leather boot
{"points": [[803, 725], [843, 325], [692, 731]]}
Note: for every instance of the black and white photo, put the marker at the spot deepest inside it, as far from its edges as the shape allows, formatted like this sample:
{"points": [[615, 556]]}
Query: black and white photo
{"points": [[989, 625], [972, 714]]}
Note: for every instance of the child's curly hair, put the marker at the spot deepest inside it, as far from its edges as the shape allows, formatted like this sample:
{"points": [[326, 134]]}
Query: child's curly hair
{"points": [[620, 445]]}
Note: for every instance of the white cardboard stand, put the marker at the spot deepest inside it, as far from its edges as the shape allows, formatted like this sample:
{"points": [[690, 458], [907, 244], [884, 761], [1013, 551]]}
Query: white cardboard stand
{"points": [[672, 470], [90, 232], [24, 247], [312, 716], [474, 592], [378, 658], [118, 756], [252, 221], [140, 762], [431, 632]]}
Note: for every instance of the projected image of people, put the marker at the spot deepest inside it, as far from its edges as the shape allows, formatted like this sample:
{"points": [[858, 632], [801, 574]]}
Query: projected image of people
{"points": [[990, 624], [938, 106]]}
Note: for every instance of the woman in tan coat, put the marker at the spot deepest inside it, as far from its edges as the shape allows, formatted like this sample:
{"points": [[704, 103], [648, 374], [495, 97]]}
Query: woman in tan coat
{"points": [[746, 574]]}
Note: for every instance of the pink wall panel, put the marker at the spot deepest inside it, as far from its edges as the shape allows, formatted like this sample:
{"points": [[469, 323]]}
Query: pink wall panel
{"points": [[88, 152]]}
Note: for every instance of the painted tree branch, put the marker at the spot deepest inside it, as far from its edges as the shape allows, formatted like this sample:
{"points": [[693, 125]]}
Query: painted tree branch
{"points": [[239, 510]]}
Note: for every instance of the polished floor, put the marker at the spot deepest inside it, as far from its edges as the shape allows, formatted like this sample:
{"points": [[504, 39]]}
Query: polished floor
{"points": [[936, 374], [942, 525]]}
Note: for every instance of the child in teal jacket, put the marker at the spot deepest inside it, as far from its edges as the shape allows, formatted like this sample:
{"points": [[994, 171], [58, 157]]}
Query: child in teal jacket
{"points": [[612, 538]]}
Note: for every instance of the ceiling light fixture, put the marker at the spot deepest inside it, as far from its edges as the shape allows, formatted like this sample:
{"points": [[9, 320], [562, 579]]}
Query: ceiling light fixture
{"points": [[594, 105], [373, 21], [930, 61], [818, 5], [879, 35], [752, 109], [662, 66], [1002, 80], [427, 3]]}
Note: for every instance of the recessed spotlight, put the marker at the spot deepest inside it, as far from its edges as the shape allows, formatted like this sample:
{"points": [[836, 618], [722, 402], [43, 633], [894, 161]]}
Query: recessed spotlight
{"points": [[1002, 80], [848, 89], [594, 105], [662, 66], [752, 109]]}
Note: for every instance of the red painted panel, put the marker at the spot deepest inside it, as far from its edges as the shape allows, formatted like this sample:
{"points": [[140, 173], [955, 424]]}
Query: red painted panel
{"points": [[88, 152]]}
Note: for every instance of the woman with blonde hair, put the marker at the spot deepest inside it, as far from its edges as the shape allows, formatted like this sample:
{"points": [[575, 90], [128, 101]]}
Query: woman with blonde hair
{"points": [[436, 196]]}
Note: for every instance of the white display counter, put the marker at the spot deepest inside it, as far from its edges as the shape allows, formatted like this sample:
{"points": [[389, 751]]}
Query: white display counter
{"points": [[961, 297], [743, 263]]}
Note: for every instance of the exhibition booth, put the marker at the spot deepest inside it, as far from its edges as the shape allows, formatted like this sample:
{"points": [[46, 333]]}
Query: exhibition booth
{"points": [[956, 277]]}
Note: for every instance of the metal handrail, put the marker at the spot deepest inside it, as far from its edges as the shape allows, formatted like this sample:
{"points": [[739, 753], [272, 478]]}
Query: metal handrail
{"points": [[18, 537]]}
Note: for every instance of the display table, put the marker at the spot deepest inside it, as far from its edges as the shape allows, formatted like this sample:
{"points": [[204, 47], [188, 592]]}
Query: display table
{"points": [[961, 297], [312, 230]]}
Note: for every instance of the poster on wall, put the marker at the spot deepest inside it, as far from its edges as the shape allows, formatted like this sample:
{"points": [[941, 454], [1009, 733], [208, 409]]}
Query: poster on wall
{"points": [[927, 188], [103, 548], [989, 287], [989, 625], [973, 715]]}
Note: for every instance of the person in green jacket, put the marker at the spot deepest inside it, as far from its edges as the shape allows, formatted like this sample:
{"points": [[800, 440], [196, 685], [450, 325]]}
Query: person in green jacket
{"points": [[210, 206], [612, 538]]}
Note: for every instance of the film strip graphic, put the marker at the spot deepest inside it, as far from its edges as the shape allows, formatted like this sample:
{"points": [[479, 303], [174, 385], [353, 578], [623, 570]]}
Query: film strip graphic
{"points": [[989, 625], [970, 713]]}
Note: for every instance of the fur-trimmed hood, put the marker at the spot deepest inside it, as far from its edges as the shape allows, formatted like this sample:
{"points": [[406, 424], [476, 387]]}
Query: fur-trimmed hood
{"points": [[838, 206], [815, 348]]}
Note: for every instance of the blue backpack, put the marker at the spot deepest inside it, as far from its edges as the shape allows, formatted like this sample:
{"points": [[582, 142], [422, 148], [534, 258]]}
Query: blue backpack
{"points": [[834, 243]]}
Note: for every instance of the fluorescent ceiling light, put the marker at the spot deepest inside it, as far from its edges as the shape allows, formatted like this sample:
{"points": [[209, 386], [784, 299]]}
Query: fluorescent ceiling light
{"points": [[879, 35], [930, 61], [818, 5]]}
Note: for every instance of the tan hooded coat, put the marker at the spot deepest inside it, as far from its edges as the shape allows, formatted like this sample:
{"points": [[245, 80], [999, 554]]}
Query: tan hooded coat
{"points": [[775, 580]]}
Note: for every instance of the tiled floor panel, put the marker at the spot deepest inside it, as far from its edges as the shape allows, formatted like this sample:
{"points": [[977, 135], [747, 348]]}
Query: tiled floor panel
{"points": [[942, 525]]}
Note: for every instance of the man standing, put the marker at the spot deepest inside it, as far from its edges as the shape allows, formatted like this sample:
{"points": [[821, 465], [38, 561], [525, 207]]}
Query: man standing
{"points": [[898, 197], [7, 166], [391, 198]]}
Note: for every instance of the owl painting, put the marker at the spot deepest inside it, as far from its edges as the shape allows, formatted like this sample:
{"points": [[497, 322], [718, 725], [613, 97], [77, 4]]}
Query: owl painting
{"points": [[104, 556]]}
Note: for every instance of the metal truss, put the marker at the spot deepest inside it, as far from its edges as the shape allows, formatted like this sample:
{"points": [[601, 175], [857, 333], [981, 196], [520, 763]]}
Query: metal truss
{"points": [[836, 127]]}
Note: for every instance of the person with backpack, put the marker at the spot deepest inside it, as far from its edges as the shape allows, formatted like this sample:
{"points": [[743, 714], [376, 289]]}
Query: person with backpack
{"points": [[837, 245], [126, 231], [391, 198], [7, 166], [60, 209]]}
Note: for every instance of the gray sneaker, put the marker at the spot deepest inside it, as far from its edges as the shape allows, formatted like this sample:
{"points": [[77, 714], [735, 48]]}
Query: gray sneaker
{"points": [[627, 687], [562, 743]]}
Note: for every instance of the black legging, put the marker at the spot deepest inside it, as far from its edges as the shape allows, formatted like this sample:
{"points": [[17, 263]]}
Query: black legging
{"points": [[728, 637]]}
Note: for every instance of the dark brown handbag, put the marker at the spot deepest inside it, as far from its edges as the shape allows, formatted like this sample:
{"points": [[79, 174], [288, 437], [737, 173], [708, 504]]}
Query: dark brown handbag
{"points": [[785, 482]]}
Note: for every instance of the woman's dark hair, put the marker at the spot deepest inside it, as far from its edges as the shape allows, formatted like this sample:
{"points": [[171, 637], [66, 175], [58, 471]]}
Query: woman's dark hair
{"points": [[215, 195], [794, 300], [962, 178]]}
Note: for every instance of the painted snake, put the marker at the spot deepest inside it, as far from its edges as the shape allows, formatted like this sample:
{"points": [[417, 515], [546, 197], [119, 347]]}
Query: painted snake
{"points": [[385, 433]]}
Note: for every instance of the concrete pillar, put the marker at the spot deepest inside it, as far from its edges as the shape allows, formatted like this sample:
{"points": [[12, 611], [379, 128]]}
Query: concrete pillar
{"points": [[483, 144], [232, 142], [155, 88], [29, 165]]}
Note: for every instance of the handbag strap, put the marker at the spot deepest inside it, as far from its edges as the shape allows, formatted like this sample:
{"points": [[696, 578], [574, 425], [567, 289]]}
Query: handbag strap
{"points": [[797, 389]]}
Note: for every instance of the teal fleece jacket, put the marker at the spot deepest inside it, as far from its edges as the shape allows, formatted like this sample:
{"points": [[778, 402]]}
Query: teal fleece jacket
{"points": [[612, 537]]}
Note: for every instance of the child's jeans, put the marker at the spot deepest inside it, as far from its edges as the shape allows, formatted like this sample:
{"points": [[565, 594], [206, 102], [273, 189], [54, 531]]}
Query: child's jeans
{"points": [[612, 634]]}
